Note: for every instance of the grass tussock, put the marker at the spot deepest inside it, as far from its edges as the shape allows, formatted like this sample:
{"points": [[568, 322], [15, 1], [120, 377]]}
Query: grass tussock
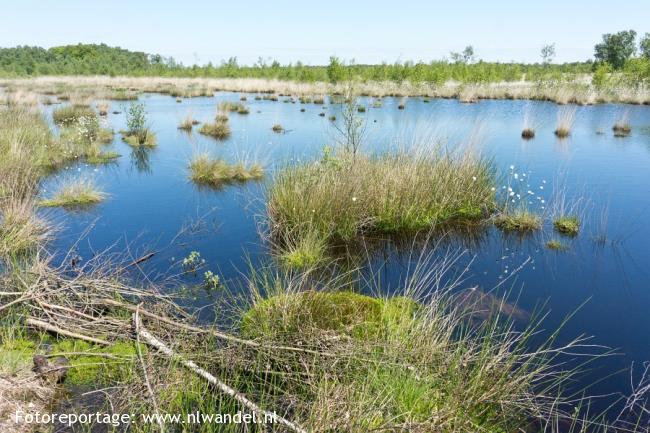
{"points": [[145, 138], [217, 172], [277, 128], [567, 225], [556, 245], [75, 194], [71, 114], [520, 220], [344, 196], [21, 230], [528, 133], [188, 123], [219, 129], [565, 119]]}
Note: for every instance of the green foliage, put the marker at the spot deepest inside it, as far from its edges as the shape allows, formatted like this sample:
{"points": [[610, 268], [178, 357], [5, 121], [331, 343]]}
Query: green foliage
{"points": [[616, 48], [136, 119], [644, 46], [601, 75], [104, 60]]}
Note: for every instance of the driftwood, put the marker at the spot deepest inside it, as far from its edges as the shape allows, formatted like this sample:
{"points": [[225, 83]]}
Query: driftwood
{"points": [[213, 332], [51, 328], [224, 388]]}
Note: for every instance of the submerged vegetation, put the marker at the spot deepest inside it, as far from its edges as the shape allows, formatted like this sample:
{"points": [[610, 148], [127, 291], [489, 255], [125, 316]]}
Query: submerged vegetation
{"points": [[217, 172]]}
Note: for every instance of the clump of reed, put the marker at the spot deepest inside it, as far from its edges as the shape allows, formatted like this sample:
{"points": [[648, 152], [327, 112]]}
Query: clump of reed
{"points": [[205, 170], [243, 110], [565, 120], [219, 129], [567, 225], [22, 232], [102, 108], [188, 122], [277, 128], [361, 109], [556, 245], [76, 193], [622, 127], [518, 220], [344, 196], [71, 114], [233, 107]]}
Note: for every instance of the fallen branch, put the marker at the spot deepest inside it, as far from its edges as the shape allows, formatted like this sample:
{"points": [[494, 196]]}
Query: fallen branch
{"points": [[213, 332], [51, 328], [190, 365]]}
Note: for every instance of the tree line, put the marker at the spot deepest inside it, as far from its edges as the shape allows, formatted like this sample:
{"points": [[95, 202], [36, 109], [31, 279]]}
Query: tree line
{"points": [[616, 52]]}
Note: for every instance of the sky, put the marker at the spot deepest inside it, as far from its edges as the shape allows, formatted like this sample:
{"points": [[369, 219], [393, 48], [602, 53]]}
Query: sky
{"points": [[194, 31]]}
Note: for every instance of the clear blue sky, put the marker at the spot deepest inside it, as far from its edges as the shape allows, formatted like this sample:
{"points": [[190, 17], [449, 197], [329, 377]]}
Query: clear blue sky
{"points": [[367, 31]]}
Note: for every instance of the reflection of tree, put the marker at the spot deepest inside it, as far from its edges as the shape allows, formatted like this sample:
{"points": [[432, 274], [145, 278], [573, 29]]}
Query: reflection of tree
{"points": [[140, 159]]}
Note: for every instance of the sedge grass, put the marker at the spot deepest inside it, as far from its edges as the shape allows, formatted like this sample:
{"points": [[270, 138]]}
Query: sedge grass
{"points": [[217, 172], [75, 194], [344, 196]]}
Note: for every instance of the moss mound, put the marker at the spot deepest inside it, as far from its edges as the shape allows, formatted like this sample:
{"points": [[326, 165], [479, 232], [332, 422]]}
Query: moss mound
{"points": [[356, 315]]}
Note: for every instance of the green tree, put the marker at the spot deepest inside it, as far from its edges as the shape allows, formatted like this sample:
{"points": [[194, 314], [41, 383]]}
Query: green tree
{"points": [[335, 70], [644, 46], [616, 48], [548, 53]]}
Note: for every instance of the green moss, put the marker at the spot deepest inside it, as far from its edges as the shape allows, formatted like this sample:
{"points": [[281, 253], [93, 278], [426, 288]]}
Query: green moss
{"points": [[15, 355], [94, 369], [357, 315], [567, 225]]}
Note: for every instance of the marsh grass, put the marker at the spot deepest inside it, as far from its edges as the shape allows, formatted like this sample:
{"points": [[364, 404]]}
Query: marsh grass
{"points": [[519, 220], [145, 138], [556, 245], [277, 128], [187, 123], [622, 127], [77, 193], [567, 225], [218, 129], [565, 119], [343, 196], [72, 114], [22, 232], [217, 172]]}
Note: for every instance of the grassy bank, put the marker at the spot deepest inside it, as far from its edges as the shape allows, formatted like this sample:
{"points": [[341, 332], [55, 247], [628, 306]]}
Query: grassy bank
{"points": [[577, 89]]}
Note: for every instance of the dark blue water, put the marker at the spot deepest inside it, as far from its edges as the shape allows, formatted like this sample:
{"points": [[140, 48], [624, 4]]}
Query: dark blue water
{"points": [[603, 278]]}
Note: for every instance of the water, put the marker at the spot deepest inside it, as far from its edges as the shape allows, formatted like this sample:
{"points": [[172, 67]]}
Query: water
{"points": [[605, 285]]}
